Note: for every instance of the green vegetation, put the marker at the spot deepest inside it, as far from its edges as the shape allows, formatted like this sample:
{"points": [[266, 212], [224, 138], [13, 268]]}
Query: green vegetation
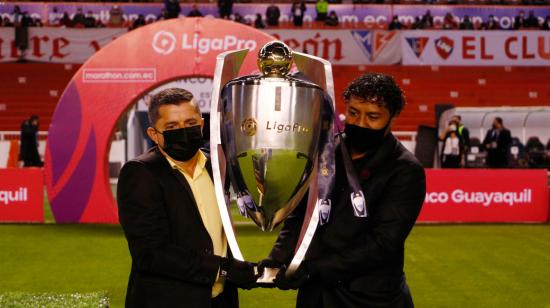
{"points": [[447, 266]]}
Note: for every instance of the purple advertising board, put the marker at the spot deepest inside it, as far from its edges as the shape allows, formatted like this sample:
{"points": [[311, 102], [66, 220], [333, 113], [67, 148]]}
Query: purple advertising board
{"points": [[363, 16]]}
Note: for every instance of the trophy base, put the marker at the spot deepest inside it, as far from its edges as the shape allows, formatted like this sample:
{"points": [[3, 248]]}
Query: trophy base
{"points": [[268, 276]]}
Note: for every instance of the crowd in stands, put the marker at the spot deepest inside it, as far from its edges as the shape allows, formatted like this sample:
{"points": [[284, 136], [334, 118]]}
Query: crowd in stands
{"points": [[451, 22], [324, 16]]}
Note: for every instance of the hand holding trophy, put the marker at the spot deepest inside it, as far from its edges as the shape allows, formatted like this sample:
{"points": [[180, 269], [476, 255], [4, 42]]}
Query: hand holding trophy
{"points": [[272, 141]]}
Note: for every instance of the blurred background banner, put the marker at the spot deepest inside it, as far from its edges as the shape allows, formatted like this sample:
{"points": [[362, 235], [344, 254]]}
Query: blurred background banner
{"points": [[21, 195], [57, 45], [460, 195], [484, 48]]}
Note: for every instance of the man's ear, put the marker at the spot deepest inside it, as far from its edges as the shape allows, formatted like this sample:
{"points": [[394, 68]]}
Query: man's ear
{"points": [[152, 133]]}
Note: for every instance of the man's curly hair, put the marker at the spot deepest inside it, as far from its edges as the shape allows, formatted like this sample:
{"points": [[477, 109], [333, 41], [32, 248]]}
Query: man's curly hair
{"points": [[377, 88]]}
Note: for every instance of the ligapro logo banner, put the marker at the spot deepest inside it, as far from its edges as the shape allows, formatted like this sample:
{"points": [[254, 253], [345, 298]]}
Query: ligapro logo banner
{"points": [[165, 43]]}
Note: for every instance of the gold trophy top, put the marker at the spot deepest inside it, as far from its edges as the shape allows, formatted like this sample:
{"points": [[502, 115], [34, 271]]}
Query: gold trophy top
{"points": [[275, 59]]}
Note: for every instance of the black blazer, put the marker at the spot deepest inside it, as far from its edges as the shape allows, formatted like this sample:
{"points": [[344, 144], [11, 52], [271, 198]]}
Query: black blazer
{"points": [[358, 262], [498, 157], [172, 260]]}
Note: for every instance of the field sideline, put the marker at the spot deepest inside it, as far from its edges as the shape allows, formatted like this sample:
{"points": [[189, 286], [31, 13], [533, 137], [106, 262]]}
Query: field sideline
{"points": [[446, 265]]}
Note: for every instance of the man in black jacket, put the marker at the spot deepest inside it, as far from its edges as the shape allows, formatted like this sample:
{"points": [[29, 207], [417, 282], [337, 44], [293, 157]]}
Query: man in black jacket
{"points": [[28, 148], [497, 142], [356, 261], [170, 217]]}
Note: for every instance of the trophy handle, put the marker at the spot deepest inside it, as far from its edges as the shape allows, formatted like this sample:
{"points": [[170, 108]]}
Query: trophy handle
{"points": [[319, 71], [227, 67]]}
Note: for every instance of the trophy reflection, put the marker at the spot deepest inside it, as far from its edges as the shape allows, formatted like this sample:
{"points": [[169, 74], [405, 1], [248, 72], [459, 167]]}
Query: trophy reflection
{"points": [[266, 135]]}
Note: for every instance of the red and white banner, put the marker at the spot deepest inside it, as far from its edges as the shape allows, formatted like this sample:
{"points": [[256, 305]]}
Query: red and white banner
{"points": [[57, 45], [345, 47], [21, 195], [476, 48], [466, 195], [341, 47]]}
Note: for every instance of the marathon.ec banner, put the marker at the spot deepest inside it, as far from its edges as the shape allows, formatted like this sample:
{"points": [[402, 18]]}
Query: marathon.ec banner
{"points": [[21, 195], [479, 48], [468, 195]]}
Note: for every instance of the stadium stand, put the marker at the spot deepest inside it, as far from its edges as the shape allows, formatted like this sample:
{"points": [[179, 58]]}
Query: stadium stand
{"points": [[33, 88]]}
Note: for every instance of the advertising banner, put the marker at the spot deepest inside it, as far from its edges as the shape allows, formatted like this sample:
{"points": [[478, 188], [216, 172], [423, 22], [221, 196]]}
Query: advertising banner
{"points": [[361, 15], [57, 45], [477, 48], [345, 47], [458, 195], [341, 47], [21, 195]]}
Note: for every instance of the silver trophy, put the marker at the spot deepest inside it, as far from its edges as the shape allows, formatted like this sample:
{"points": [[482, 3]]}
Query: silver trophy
{"points": [[268, 134]]}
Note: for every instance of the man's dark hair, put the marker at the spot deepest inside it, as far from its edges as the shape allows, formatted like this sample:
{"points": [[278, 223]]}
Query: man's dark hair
{"points": [[172, 96], [458, 117], [499, 120], [377, 88], [34, 117]]}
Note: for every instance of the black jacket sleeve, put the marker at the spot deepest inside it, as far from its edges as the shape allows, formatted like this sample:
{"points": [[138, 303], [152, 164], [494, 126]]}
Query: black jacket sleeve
{"points": [[389, 227], [143, 217]]}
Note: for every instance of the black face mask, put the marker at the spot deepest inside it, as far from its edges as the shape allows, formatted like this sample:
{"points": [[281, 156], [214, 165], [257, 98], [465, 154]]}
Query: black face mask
{"points": [[183, 143], [363, 139]]}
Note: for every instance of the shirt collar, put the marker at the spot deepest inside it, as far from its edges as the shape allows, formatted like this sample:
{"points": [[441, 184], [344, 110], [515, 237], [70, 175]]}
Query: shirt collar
{"points": [[201, 163]]}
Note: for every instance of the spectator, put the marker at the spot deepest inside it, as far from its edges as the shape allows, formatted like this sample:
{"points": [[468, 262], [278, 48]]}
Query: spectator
{"points": [[163, 14], [259, 22], [173, 8], [7, 22], [497, 141], [225, 8], [449, 22], [27, 20], [116, 18], [54, 19], [546, 23], [453, 148], [37, 22], [90, 21], [66, 21], [428, 20], [532, 21], [28, 149], [272, 13], [195, 12], [17, 15], [417, 24], [139, 22], [395, 24], [490, 24], [519, 21], [332, 19], [463, 131], [237, 17], [466, 23], [79, 20], [298, 10], [322, 9]]}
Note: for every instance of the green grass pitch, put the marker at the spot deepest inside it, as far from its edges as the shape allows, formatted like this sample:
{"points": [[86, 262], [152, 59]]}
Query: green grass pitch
{"points": [[446, 265]]}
